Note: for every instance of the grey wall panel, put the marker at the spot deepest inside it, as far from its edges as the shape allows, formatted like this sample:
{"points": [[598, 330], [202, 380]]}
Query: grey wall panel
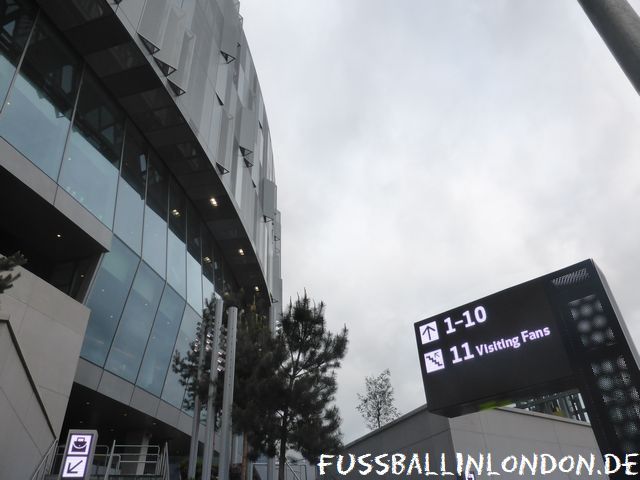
{"points": [[49, 328], [88, 374], [132, 9], [34, 178], [23, 419], [115, 387], [504, 432], [82, 218], [170, 48], [168, 414], [144, 401], [153, 22]]}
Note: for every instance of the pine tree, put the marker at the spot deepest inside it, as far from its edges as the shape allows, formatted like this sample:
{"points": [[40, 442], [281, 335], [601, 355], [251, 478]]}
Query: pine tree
{"points": [[309, 422], [6, 265], [376, 406]]}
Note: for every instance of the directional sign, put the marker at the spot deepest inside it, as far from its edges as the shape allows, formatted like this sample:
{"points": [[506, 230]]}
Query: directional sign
{"points": [[78, 454], [491, 350], [429, 332], [74, 467]]}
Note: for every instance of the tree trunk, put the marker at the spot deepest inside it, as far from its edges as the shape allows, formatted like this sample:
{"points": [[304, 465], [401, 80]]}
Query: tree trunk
{"points": [[283, 449], [245, 457]]}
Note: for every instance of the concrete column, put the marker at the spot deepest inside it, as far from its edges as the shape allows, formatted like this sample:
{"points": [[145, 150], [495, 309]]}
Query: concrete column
{"points": [[227, 399], [619, 26], [195, 423], [209, 436]]}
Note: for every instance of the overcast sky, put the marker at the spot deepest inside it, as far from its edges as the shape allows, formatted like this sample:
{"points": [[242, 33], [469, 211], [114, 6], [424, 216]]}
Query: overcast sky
{"points": [[431, 152]]}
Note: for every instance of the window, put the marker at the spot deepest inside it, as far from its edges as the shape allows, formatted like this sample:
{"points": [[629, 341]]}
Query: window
{"points": [[157, 356], [131, 190], [194, 269], [36, 115], [16, 22], [173, 392], [176, 247], [92, 160], [133, 331], [106, 300], [154, 236]]}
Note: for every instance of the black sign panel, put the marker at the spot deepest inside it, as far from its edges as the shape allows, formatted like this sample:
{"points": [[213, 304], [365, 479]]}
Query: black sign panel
{"points": [[492, 351]]}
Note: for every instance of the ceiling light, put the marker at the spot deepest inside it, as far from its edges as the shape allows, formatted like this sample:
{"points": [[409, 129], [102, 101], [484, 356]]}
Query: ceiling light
{"points": [[175, 212], [206, 260], [58, 235], [241, 252], [213, 202], [256, 288]]}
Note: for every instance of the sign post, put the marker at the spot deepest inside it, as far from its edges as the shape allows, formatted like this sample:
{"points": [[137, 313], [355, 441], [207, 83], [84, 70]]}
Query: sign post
{"points": [[78, 454], [558, 332]]}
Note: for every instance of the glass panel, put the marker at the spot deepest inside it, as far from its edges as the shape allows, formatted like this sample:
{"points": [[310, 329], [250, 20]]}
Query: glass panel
{"points": [[130, 203], [207, 289], [176, 247], [207, 264], [128, 345], [173, 391], [92, 160], [106, 300], [16, 21], [41, 100], [154, 237], [194, 250], [161, 342]]}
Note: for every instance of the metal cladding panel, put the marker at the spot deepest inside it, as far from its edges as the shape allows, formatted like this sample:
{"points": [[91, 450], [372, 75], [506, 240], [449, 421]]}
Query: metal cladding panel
{"points": [[223, 77], [270, 200], [230, 30], [153, 23], [248, 126], [180, 78], [171, 47]]}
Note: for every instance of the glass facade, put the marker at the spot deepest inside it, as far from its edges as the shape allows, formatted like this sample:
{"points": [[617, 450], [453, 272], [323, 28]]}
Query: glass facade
{"points": [[92, 159], [42, 99], [148, 291]]}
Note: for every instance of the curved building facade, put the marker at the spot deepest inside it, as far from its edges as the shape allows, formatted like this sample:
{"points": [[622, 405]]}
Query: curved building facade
{"points": [[137, 177]]}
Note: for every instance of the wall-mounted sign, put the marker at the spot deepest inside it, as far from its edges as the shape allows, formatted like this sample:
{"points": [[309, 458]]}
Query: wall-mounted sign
{"points": [[78, 454]]}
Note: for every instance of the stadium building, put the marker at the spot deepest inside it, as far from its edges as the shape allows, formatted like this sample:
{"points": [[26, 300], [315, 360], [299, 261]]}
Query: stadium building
{"points": [[137, 178]]}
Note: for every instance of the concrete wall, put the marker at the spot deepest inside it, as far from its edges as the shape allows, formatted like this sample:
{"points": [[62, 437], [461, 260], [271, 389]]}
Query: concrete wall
{"points": [[501, 432], [509, 431], [49, 327], [26, 431], [417, 431]]}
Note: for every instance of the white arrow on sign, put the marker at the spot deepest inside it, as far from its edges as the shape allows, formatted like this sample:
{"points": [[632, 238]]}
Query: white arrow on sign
{"points": [[74, 467]]}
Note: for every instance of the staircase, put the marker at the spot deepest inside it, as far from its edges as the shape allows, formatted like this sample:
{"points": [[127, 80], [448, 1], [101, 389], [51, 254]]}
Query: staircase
{"points": [[118, 462]]}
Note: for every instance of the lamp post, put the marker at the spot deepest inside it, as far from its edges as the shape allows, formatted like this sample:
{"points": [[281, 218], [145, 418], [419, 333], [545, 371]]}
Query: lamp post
{"points": [[619, 26]]}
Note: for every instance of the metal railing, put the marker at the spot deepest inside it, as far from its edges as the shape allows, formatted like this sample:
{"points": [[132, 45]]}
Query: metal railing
{"points": [[46, 463], [117, 462]]}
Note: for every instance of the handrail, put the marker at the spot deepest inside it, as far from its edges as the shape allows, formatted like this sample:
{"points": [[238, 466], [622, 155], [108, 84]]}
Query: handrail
{"points": [[42, 466], [108, 467]]}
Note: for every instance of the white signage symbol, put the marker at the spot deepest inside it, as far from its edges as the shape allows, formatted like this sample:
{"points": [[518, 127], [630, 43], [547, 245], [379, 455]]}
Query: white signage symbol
{"points": [[74, 467], [429, 332], [79, 444], [433, 360]]}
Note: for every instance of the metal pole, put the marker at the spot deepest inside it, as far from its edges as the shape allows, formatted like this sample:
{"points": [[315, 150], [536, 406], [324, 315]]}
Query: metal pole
{"points": [[273, 315], [227, 399], [207, 458], [195, 424], [619, 26]]}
